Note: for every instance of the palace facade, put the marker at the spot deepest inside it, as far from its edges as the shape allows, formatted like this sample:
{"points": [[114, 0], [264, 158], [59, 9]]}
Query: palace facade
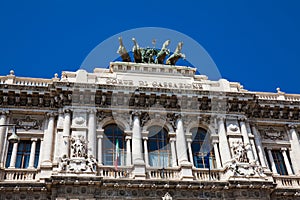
{"points": [[146, 131]]}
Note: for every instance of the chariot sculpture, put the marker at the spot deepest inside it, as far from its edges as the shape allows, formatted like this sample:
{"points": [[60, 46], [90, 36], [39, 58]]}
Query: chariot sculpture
{"points": [[151, 55]]}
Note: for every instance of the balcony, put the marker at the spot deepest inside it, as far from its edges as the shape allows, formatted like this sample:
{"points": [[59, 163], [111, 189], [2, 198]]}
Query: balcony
{"points": [[287, 181], [13, 175], [109, 172], [166, 173], [206, 174]]}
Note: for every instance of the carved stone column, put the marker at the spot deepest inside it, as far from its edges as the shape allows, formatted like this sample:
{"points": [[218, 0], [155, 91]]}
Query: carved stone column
{"points": [[173, 150], [99, 153], [146, 153], [66, 134], [260, 151], [217, 155], [246, 140], [32, 153], [92, 134], [13, 158], [189, 144], [273, 166], [286, 161], [137, 155], [295, 148], [181, 142], [3, 136], [48, 142], [223, 142], [139, 171], [128, 150]]}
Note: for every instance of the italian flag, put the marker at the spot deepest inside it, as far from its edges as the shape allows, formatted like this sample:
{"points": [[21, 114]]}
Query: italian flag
{"points": [[117, 154]]}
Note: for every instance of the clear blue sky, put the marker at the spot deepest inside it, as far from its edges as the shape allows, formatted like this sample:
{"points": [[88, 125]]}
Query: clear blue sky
{"points": [[254, 42]]}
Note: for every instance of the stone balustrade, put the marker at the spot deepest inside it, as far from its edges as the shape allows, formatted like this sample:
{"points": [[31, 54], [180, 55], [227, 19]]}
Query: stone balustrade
{"points": [[19, 175], [25, 81], [168, 173], [206, 174], [278, 96], [287, 181], [109, 172], [152, 68]]}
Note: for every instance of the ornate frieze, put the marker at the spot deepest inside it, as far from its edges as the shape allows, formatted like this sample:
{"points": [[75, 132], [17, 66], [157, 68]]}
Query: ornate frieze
{"points": [[27, 123], [273, 133]]}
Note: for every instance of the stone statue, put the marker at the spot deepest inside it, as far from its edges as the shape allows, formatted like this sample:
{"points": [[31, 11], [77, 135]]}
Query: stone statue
{"points": [[136, 52], [240, 153], [123, 52], [163, 53], [176, 55], [78, 146], [148, 55]]}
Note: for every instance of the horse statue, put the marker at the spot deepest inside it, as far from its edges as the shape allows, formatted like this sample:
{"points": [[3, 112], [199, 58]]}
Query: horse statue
{"points": [[176, 55], [136, 52], [148, 55], [163, 53], [123, 52]]}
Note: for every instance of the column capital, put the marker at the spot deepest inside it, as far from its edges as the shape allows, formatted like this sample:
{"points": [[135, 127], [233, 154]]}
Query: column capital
{"points": [[67, 110], [221, 117], [292, 126], [99, 136], [269, 148], [242, 118], [4, 112], [172, 139], [283, 149], [92, 110], [51, 114], [100, 132], [34, 139], [128, 137]]}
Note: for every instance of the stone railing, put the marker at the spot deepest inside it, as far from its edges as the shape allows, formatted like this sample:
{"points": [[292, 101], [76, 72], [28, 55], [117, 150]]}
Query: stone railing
{"points": [[287, 181], [278, 96], [207, 175], [25, 81], [152, 68], [110, 172], [167, 173], [19, 175]]}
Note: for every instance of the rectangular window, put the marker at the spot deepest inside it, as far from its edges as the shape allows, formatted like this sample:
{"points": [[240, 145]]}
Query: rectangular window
{"points": [[23, 154], [279, 162], [9, 152], [37, 154]]}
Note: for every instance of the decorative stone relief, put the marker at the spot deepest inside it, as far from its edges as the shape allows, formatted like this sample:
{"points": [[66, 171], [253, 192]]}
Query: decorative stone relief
{"points": [[167, 196], [79, 119], [240, 166], [78, 146], [28, 123], [240, 152], [273, 133], [232, 127], [79, 161]]}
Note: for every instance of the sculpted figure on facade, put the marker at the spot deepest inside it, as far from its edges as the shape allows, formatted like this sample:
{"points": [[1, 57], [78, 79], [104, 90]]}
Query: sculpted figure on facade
{"points": [[163, 53], [137, 52], [123, 52], [240, 153], [78, 146], [176, 55]]}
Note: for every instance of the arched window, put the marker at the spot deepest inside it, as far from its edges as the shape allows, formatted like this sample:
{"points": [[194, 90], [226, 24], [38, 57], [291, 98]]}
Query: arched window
{"points": [[114, 149], [159, 147], [202, 150]]}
